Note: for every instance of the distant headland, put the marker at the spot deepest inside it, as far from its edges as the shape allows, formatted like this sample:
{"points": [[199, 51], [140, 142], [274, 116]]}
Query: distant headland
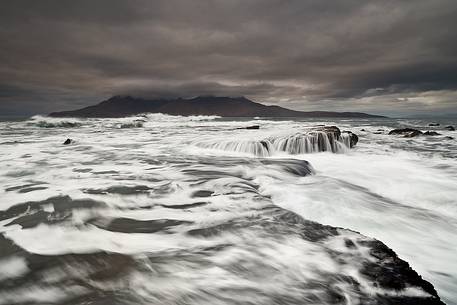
{"points": [[121, 106]]}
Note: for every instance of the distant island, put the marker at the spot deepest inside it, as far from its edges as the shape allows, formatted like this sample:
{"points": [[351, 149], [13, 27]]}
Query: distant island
{"points": [[121, 106]]}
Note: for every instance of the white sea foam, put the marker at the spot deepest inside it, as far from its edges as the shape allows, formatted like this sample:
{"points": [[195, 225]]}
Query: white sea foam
{"points": [[12, 267], [401, 191]]}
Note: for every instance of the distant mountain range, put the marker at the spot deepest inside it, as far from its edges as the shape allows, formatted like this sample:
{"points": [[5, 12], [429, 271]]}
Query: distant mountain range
{"points": [[121, 106]]}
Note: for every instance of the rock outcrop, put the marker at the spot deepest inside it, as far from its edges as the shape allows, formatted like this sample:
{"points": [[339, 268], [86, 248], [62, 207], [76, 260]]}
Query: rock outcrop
{"points": [[431, 133], [406, 132], [250, 127], [318, 139]]}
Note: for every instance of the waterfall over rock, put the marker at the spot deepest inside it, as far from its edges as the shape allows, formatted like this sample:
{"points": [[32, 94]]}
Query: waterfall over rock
{"points": [[320, 139]]}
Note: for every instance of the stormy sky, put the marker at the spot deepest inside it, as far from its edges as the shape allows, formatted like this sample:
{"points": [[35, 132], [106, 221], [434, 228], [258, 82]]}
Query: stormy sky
{"points": [[384, 57]]}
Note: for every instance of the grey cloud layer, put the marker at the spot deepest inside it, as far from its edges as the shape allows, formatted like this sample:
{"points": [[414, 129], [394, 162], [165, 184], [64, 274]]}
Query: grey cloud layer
{"points": [[302, 54]]}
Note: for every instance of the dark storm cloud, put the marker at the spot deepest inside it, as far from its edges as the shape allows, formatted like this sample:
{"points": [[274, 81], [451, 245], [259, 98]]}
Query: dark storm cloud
{"points": [[342, 55]]}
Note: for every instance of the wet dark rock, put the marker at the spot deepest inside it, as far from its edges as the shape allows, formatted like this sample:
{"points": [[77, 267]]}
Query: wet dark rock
{"points": [[335, 133], [431, 133], [406, 132], [184, 206], [215, 230], [308, 230], [111, 172], [354, 138], [434, 124], [382, 268], [308, 140], [62, 205], [201, 193], [106, 278], [31, 189], [67, 142], [264, 144], [8, 248], [449, 138], [136, 124], [26, 188], [349, 243], [331, 130], [82, 170], [81, 269], [250, 127], [127, 225], [362, 129], [296, 167], [390, 272], [450, 128], [120, 190], [34, 219]]}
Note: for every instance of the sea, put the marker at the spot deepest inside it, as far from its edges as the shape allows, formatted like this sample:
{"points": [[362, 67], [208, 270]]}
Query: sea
{"points": [[159, 209]]}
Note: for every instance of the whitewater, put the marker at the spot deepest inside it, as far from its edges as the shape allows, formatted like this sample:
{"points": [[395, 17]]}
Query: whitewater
{"points": [[158, 209]]}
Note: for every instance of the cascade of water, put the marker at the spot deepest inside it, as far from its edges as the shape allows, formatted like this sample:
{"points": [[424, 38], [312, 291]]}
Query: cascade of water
{"points": [[257, 148], [312, 142], [300, 143]]}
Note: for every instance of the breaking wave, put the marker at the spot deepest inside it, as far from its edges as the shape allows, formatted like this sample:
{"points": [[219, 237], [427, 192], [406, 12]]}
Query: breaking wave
{"points": [[46, 122]]}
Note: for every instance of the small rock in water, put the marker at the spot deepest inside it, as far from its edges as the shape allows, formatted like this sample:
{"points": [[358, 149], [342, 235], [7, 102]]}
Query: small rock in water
{"points": [[434, 124], [451, 128], [349, 243], [406, 132], [265, 144], [250, 127], [431, 133], [449, 138], [354, 138], [67, 141]]}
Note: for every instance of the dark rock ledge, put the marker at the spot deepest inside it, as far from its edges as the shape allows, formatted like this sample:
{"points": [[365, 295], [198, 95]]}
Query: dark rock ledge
{"points": [[387, 276], [104, 278]]}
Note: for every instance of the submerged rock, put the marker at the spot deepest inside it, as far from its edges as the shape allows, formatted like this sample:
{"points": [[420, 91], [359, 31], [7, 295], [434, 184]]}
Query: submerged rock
{"points": [[67, 142], [384, 278], [136, 124], [353, 138], [250, 127], [431, 133], [273, 255], [434, 124], [320, 139], [450, 128], [311, 140], [331, 129], [406, 132]]}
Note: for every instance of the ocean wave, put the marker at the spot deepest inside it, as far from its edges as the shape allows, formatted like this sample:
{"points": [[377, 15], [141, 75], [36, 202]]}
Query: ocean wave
{"points": [[168, 117], [48, 122]]}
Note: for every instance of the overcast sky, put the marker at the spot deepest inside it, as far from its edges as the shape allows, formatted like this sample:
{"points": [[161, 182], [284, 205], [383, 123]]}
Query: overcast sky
{"points": [[384, 57]]}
